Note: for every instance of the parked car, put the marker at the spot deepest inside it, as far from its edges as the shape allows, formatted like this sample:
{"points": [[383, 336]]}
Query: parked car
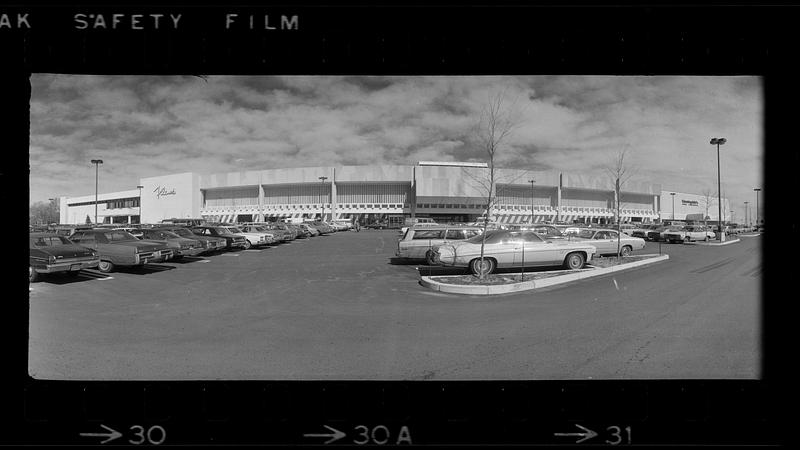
{"points": [[254, 238], [233, 241], [544, 230], [278, 235], [504, 248], [322, 227], [418, 243], [605, 241], [641, 231], [343, 224], [181, 246], [209, 244], [688, 234], [378, 225], [300, 232], [68, 230], [52, 253], [120, 248], [657, 233], [185, 222], [310, 229], [279, 228]]}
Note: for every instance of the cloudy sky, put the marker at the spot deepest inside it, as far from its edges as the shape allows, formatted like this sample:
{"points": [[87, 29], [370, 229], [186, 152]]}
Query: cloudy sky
{"points": [[145, 126]]}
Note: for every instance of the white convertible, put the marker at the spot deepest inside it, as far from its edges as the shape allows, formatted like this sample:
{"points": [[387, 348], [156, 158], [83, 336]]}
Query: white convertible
{"points": [[505, 249]]}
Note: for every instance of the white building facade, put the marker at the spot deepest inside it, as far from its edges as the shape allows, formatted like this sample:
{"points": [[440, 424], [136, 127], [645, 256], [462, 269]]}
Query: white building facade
{"points": [[443, 191]]}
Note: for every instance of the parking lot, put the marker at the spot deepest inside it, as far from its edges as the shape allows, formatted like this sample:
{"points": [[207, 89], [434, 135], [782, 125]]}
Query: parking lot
{"points": [[340, 307]]}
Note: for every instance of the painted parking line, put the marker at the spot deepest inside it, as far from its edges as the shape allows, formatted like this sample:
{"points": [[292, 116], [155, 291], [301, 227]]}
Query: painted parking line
{"points": [[254, 251], [103, 279], [231, 254], [204, 260]]}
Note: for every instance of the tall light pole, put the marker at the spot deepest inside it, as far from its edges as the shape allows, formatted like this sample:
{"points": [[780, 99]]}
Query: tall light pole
{"points": [[140, 187], [323, 200], [746, 215], [531, 181], [673, 205], [757, 191], [718, 142], [96, 163]]}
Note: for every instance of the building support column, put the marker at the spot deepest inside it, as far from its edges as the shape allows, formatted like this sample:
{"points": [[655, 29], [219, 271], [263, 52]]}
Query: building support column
{"points": [[333, 193], [413, 192], [260, 201], [558, 197]]}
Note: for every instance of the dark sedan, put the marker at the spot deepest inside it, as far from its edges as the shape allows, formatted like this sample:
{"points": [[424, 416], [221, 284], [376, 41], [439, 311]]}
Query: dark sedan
{"points": [[51, 253], [233, 241], [120, 248], [181, 246], [210, 244]]}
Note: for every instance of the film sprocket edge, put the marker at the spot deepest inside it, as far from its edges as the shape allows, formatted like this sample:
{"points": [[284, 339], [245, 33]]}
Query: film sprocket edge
{"points": [[441, 41]]}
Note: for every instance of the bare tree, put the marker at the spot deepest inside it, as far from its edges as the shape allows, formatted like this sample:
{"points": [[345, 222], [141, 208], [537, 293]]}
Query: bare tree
{"points": [[708, 201], [42, 213], [620, 173], [495, 125]]}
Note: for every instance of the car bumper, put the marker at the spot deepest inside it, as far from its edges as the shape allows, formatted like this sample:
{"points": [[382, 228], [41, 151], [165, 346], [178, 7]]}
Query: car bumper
{"points": [[190, 251], [237, 245], [69, 266]]}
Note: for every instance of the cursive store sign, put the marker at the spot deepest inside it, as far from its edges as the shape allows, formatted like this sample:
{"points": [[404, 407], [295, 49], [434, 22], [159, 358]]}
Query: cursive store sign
{"points": [[161, 191]]}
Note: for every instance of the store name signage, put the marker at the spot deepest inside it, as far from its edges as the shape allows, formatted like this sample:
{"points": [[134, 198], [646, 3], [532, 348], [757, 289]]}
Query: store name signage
{"points": [[160, 191], [152, 21], [689, 203]]}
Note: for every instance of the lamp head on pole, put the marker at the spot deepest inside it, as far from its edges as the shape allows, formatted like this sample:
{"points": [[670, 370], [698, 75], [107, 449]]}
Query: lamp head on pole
{"points": [[718, 141], [97, 161], [756, 189]]}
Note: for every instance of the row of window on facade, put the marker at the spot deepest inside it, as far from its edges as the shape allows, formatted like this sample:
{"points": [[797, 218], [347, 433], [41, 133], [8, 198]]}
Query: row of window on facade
{"points": [[132, 202]]}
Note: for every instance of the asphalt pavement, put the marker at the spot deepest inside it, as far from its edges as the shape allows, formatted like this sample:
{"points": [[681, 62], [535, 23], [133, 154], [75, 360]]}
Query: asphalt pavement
{"points": [[340, 307]]}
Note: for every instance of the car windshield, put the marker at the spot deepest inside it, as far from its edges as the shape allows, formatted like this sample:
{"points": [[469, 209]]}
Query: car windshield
{"points": [[222, 230], [183, 232], [234, 230], [49, 241], [118, 236], [586, 234]]}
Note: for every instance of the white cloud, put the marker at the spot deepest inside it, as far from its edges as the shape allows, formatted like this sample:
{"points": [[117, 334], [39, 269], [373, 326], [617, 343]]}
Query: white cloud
{"points": [[145, 126]]}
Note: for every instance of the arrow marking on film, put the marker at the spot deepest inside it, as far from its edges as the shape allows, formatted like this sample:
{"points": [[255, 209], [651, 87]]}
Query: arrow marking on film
{"points": [[113, 434], [586, 435], [335, 436]]}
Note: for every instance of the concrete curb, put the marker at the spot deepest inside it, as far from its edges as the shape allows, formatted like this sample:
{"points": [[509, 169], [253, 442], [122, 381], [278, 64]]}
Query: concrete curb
{"points": [[534, 284], [714, 244], [750, 235]]}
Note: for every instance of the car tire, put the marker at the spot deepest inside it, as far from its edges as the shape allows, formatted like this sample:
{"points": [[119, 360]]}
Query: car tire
{"points": [[33, 275], [489, 265], [247, 244], [687, 239], [105, 266], [706, 239], [429, 258], [574, 261], [626, 250]]}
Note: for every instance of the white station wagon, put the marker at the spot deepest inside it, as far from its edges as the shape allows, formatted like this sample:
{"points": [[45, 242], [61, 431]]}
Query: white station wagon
{"points": [[417, 242]]}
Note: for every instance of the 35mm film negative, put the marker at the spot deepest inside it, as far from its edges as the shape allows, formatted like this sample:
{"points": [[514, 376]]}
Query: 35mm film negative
{"points": [[267, 168]]}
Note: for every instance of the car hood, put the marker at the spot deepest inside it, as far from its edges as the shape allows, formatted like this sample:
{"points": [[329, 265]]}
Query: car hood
{"points": [[65, 251]]}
